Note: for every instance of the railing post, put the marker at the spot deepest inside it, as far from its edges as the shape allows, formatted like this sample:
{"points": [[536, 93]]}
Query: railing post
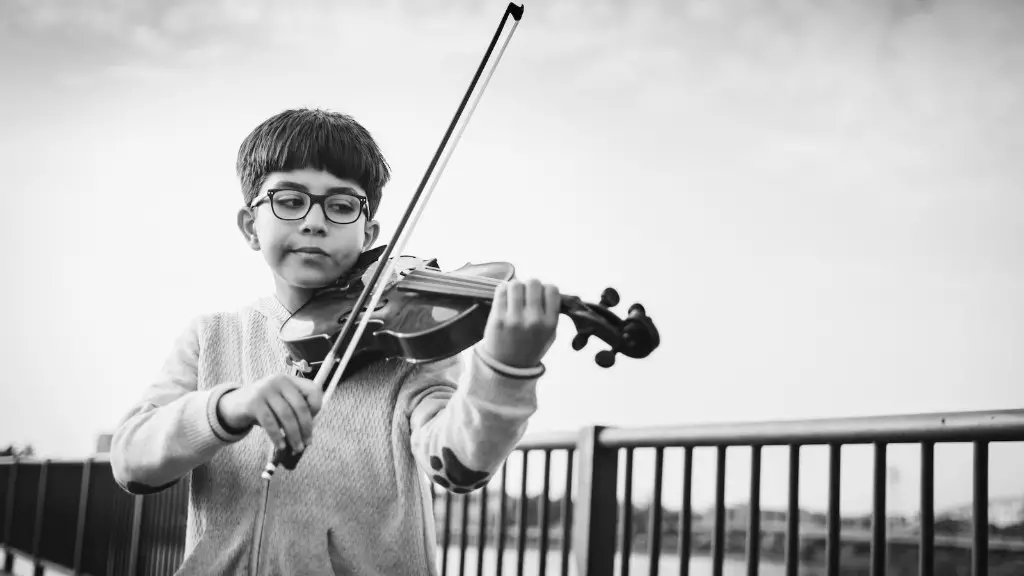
{"points": [[9, 517], [83, 509], [133, 552], [596, 505], [37, 536]]}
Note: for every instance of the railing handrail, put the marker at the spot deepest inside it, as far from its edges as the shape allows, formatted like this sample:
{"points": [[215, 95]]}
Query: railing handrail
{"points": [[104, 457], [991, 426], [983, 425], [549, 441]]}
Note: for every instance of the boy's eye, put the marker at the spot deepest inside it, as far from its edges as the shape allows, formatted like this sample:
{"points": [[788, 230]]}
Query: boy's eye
{"points": [[290, 199], [342, 205]]}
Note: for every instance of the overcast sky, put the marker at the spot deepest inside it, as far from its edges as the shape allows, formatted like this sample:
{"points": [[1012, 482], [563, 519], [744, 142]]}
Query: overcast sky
{"points": [[820, 204]]}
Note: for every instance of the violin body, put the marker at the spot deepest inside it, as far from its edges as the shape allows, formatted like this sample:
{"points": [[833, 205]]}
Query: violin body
{"points": [[406, 323]]}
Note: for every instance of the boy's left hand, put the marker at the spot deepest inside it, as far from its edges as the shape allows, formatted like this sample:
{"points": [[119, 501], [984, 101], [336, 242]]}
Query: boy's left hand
{"points": [[522, 323]]}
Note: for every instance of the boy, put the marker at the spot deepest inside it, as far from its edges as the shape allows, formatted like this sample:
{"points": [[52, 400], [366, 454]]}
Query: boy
{"points": [[358, 502]]}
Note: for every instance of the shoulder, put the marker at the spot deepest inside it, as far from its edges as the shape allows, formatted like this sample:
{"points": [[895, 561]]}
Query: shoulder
{"points": [[203, 324], [217, 324]]}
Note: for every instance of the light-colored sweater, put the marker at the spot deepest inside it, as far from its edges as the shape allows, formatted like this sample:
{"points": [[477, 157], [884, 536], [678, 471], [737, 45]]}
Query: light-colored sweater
{"points": [[358, 503]]}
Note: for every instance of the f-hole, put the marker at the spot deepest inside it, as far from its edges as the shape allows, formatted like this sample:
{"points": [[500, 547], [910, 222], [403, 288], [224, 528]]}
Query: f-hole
{"points": [[380, 304]]}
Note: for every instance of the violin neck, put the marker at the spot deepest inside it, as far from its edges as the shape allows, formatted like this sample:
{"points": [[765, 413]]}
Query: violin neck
{"points": [[479, 288]]}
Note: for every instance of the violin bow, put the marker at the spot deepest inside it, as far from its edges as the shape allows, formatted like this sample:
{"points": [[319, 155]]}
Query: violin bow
{"points": [[350, 331]]}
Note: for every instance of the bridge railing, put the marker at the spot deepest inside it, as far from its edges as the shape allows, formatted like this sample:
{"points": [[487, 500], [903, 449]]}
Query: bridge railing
{"points": [[71, 514]]}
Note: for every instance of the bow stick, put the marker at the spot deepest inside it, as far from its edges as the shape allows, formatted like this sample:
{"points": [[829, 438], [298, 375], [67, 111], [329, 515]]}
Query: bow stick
{"points": [[350, 332]]}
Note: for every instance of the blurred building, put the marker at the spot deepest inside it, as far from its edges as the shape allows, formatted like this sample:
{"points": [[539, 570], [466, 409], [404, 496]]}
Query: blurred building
{"points": [[103, 443], [1001, 511]]}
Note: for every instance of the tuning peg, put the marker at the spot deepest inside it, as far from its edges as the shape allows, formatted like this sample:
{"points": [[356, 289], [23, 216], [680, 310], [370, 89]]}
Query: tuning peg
{"points": [[605, 358], [637, 311], [579, 341], [609, 297]]}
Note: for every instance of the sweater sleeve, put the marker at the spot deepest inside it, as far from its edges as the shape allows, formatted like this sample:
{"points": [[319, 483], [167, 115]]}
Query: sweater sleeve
{"points": [[174, 427], [466, 418]]}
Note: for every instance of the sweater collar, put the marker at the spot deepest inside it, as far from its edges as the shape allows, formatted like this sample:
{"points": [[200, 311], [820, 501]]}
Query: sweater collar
{"points": [[272, 308]]}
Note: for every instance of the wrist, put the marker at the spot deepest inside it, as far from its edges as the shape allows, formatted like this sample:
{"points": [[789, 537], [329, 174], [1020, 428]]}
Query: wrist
{"points": [[507, 357], [230, 416], [527, 372]]}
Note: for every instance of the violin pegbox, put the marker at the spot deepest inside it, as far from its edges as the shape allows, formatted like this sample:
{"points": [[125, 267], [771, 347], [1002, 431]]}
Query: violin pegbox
{"points": [[635, 336]]}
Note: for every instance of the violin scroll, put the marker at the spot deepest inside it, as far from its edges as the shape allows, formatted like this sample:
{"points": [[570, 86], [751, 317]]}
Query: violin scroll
{"points": [[609, 298], [635, 336]]}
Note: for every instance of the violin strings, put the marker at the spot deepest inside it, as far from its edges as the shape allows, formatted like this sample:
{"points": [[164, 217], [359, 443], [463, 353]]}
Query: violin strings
{"points": [[435, 272], [454, 290], [450, 281], [453, 286], [437, 282], [466, 280], [432, 280]]}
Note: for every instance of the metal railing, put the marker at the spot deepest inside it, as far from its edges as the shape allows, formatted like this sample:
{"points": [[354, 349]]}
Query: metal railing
{"points": [[71, 513]]}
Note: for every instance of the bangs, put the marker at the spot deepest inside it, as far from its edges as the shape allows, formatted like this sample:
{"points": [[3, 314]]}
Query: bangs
{"points": [[313, 139]]}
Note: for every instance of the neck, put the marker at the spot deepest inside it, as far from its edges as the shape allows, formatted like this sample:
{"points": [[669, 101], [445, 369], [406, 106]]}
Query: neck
{"points": [[291, 297]]}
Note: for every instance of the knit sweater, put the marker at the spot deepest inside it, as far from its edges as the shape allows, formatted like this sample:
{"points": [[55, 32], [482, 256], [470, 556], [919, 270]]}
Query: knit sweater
{"points": [[358, 503]]}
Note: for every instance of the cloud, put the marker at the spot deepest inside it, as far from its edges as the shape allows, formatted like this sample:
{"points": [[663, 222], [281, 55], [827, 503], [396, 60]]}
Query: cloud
{"points": [[84, 37]]}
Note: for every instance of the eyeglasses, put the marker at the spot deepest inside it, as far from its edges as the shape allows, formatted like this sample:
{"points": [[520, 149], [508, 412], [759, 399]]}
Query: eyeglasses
{"points": [[340, 208]]}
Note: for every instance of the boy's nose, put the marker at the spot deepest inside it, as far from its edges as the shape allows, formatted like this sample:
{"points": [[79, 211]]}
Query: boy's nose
{"points": [[315, 221]]}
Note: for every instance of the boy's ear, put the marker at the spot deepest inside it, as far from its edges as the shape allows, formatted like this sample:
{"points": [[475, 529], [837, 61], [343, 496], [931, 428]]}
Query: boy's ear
{"points": [[247, 226], [370, 234]]}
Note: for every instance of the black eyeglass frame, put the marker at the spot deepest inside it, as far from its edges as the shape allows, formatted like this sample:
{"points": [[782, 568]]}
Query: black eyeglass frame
{"points": [[315, 200]]}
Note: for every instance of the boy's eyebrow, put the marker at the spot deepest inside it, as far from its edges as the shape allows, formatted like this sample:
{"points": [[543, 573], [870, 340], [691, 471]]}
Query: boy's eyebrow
{"points": [[304, 188]]}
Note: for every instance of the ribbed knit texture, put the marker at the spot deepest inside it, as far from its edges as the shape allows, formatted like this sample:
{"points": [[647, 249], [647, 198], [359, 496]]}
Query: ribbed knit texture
{"points": [[359, 501]]}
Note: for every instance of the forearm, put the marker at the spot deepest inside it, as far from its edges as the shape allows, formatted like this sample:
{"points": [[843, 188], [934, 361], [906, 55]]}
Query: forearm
{"points": [[462, 436], [156, 445]]}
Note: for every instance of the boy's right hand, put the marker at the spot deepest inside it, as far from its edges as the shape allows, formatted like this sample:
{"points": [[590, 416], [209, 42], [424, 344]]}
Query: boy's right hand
{"points": [[280, 402]]}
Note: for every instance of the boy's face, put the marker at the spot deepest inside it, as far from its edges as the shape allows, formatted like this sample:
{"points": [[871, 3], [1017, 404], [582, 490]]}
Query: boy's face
{"points": [[312, 251]]}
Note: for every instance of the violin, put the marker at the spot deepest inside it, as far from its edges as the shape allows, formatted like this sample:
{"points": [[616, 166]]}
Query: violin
{"points": [[407, 307], [425, 315]]}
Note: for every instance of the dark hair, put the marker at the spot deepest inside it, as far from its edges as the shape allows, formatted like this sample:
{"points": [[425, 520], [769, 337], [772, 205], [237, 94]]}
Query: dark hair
{"points": [[315, 139]]}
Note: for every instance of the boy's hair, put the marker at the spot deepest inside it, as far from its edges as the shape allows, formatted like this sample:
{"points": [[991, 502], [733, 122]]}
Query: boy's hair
{"points": [[315, 139]]}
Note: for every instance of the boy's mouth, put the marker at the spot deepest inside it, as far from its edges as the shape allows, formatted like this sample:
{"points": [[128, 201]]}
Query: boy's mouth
{"points": [[310, 250]]}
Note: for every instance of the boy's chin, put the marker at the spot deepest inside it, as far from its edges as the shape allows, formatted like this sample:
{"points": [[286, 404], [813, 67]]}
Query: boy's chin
{"points": [[308, 280]]}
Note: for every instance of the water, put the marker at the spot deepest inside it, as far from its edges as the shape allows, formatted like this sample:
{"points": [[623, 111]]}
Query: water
{"points": [[638, 564]]}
